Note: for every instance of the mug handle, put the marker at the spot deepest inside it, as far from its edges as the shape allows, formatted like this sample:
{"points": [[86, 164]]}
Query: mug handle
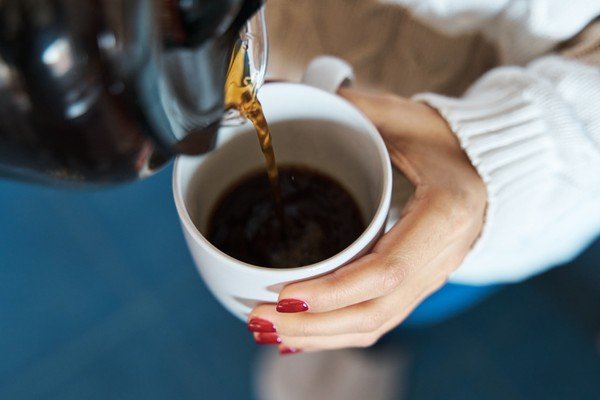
{"points": [[328, 73]]}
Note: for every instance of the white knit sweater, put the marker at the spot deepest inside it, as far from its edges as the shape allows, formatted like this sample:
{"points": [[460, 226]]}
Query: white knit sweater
{"points": [[532, 130]]}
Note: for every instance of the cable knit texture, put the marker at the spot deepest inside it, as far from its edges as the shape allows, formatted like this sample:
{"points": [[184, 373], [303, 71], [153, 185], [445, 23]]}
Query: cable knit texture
{"points": [[533, 134]]}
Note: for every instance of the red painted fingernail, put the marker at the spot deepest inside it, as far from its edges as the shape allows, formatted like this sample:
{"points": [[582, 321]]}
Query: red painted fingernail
{"points": [[267, 338], [291, 306], [284, 351], [260, 325]]}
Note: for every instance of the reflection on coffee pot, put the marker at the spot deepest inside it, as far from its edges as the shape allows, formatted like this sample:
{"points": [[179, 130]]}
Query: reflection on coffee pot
{"points": [[108, 91]]}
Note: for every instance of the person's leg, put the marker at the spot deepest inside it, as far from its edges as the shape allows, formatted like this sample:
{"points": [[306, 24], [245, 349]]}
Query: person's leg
{"points": [[350, 374]]}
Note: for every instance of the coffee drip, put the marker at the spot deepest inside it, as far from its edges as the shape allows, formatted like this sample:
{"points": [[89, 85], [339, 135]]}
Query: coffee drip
{"points": [[240, 94]]}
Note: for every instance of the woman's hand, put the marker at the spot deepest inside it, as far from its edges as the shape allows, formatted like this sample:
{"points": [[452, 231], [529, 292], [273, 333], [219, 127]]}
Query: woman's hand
{"points": [[358, 303]]}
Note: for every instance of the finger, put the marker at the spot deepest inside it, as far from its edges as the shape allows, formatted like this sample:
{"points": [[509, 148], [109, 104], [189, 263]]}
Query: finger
{"points": [[389, 113], [320, 343], [355, 339], [379, 108], [417, 238], [367, 317], [408, 127], [412, 134]]}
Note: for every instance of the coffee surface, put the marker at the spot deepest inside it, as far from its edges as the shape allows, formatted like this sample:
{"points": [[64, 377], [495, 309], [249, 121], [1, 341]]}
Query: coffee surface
{"points": [[320, 219]]}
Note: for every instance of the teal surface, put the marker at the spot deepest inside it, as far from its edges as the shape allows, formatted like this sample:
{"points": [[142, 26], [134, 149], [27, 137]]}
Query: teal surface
{"points": [[99, 299]]}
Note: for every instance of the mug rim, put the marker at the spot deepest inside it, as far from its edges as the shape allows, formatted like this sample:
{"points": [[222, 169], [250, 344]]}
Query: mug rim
{"points": [[376, 224]]}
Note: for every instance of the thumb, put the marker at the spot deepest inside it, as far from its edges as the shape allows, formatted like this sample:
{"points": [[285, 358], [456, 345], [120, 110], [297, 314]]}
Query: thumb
{"points": [[375, 106], [398, 118], [389, 113]]}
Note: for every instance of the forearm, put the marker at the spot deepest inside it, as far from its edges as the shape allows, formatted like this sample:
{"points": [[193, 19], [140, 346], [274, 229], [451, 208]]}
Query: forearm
{"points": [[533, 134]]}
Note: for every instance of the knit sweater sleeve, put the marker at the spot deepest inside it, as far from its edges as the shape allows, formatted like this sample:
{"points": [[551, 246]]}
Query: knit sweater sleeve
{"points": [[533, 134], [521, 29]]}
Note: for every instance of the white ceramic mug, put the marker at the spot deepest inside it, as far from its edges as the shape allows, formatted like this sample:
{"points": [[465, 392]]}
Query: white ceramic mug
{"points": [[310, 127]]}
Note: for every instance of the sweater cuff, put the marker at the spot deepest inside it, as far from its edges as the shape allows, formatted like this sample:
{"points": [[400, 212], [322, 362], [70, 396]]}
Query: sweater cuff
{"points": [[503, 134]]}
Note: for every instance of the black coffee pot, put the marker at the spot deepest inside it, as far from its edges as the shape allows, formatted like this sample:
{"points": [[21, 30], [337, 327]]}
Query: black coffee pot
{"points": [[107, 91]]}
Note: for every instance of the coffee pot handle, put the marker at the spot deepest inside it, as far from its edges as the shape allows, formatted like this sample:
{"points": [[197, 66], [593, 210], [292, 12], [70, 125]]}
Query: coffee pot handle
{"points": [[328, 73]]}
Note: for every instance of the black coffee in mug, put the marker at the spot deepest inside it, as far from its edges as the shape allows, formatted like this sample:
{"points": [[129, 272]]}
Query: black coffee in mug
{"points": [[318, 219]]}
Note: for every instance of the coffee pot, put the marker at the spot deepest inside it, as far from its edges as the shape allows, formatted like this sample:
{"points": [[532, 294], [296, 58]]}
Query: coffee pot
{"points": [[108, 91]]}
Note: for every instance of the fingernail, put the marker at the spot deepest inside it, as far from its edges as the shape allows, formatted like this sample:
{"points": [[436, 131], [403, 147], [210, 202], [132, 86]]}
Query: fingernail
{"points": [[284, 351], [267, 338], [260, 325], [291, 306]]}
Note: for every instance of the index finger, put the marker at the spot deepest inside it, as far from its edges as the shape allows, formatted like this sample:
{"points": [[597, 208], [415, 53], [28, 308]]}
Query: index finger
{"points": [[424, 232]]}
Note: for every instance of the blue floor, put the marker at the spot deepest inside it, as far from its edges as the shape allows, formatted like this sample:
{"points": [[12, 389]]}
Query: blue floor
{"points": [[99, 299], [536, 340]]}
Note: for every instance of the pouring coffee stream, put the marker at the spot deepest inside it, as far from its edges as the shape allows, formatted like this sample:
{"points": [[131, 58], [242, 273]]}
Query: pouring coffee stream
{"points": [[307, 217], [241, 95]]}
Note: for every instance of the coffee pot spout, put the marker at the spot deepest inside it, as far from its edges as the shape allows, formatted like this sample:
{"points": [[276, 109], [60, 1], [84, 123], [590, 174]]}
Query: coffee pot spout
{"points": [[195, 114]]}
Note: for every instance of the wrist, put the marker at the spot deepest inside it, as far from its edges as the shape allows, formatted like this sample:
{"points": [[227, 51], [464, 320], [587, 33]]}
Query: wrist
{"points": [[460, 172]]}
